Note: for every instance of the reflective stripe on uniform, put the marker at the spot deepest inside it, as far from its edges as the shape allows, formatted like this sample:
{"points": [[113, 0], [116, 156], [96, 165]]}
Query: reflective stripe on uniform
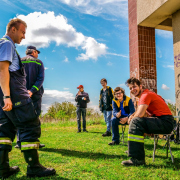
{"points": [[5, 140], [31, 62], [29, 145], [35, 87], [136, 138]]}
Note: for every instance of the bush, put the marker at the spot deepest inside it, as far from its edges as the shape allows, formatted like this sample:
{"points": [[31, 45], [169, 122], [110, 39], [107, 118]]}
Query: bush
{"points": [[67, 111]]}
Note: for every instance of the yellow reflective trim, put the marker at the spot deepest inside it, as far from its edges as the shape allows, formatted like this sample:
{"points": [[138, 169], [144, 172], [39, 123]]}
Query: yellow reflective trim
{"points": [[5, 138], [29, 145], [136, 140], [26, 143], [132, 135]]}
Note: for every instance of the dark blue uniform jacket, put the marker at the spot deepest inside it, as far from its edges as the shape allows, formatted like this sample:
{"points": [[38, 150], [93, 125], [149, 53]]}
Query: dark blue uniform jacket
{"points": [[35, 76]]}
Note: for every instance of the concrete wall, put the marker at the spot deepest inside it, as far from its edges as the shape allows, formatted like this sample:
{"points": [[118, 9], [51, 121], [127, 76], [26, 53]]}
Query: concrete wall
{"points": [[156, 13], [176, 42], [146, 7]]}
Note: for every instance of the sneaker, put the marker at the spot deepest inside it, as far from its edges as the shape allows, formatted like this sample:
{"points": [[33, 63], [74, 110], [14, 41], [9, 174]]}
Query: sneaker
{"points": [[78, 131], [107, 133], [41, 145], [113, 143], [133, 162], [85, 131]]}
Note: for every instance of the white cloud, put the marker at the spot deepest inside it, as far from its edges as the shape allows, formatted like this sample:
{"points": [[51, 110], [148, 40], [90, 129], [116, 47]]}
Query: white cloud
{"points": [[159, 53], [164, 34], [66, 88], [53, 51], [44, 28], [121, 55], [46, 68], [169, 66], [168, 101], [165, 87], [121, 85], [109, 64], [51, 96], [93, 49], [116, 8], [66, 60]]}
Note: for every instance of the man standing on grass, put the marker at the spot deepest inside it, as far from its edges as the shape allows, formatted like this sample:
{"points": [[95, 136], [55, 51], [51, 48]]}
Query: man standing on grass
{"points": [[82, 98], [160, 122], [16, 107], [34, 69], [105, 105]]}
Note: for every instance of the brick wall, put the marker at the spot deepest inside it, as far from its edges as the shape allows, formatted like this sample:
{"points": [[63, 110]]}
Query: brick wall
{"points": [[142, 51]]}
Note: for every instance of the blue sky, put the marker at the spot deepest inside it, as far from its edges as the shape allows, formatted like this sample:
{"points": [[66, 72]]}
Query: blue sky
{"points": [[82, 41]]}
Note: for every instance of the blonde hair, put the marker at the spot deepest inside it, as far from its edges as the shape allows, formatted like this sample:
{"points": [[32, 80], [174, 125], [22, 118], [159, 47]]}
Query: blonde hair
{"points": [[15, 23]]}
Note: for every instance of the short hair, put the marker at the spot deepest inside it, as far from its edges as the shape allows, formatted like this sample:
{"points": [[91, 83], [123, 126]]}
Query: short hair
{"points": [[15, 23], [132, 81], [103, 80], [29, 51], [119, 89]]}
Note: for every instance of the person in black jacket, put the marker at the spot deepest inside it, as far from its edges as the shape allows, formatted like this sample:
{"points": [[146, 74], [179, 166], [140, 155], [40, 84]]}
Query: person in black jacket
{"points": [[82, 98], [34, 69], [105, 105]]}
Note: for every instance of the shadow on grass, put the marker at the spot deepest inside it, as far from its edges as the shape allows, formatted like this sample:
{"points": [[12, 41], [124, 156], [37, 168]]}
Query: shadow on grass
{"points": [[169, 165], [151, 146], [80, 154], [38, 178], [96, 132]]}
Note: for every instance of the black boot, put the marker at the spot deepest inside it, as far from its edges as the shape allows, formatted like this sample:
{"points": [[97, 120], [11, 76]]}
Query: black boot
{"points": [[107, 133], [34, 168], [5, 169]]}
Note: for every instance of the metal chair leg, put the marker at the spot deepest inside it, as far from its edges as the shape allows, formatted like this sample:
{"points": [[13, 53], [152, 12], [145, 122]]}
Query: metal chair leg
{"points": [[123, 130]]}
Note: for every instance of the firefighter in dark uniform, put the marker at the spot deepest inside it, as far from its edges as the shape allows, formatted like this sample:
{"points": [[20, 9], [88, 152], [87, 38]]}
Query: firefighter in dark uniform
{"points": [[17, 110], [34, 69], [160, 122]]}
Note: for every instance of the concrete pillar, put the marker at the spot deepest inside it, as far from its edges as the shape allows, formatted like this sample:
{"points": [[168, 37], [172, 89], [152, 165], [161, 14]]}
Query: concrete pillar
{"points": [[142, 51], [176, 44]]}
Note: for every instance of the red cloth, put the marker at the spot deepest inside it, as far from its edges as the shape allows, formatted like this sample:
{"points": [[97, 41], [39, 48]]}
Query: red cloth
{"points": [[156, 104]]}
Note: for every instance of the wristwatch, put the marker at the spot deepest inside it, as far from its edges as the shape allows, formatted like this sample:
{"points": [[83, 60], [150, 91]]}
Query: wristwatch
{"points": [[5, 97]]}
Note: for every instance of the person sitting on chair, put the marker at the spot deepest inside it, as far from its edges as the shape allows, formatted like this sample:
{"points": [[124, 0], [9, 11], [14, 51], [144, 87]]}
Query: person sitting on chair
{"points": [[123, 107]]}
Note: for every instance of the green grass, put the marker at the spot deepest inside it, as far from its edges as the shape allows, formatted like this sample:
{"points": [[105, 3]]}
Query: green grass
{"points": [[88, 156]]}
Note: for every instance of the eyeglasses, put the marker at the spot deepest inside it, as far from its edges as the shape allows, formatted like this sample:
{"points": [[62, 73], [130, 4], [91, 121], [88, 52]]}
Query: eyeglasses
{"points": [[118, 93]]}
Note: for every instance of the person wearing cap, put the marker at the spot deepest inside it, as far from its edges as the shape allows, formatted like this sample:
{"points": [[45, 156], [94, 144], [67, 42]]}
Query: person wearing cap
{"points": [[34, 69], [82, 98]]}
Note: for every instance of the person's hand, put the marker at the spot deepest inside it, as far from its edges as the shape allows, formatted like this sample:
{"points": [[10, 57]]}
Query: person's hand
{"points": [[130, 118], [30, 93], [7, 104], [79, 92], [123, 120], [118, 114], [84, 98]]}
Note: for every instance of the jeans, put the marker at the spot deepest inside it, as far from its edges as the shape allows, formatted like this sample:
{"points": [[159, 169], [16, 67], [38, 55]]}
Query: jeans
{"points": [[107, 118], [115, 129], [83, 112]]}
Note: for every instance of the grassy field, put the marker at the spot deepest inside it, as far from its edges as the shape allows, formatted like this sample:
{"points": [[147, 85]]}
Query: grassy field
{"points": [[88, 156]]}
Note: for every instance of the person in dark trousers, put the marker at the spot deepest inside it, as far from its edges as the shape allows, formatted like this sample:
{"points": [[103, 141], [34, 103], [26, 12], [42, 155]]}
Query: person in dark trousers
{"points": [[17, 110], [160, 122], [82, 98], [105, 105], [123, 108], [34, 69]]}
